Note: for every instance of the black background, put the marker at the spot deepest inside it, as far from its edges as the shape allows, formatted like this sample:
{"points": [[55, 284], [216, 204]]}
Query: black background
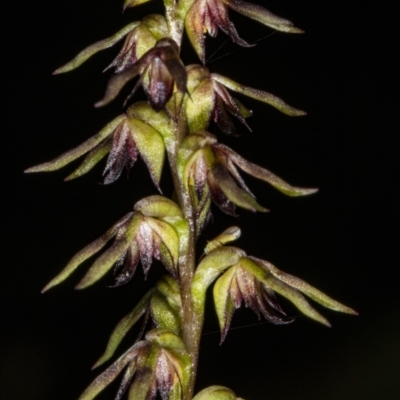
{"points": [[342, 240]]}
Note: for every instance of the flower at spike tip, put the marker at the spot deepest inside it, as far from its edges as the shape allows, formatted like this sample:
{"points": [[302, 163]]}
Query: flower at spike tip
{"points": [[151, 231], [210, 100], [207, 16], [210, 170]]}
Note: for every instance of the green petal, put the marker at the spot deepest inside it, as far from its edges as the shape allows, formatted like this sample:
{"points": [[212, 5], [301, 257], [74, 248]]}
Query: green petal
{"points": [[105, 262], [267, 176], [215, 393], [103, 380], [259, 95], [123, 327], [151, 147], [87, 252], [307, 289], [283, 289], [260, 14], [96, 47], [75, 153]]}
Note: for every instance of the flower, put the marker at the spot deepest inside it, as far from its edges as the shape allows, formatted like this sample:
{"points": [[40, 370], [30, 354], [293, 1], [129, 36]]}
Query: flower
{"points": [[210, 100], [207, 16], [239, 277], [160, 363], [209, 170], [151, 231], [141, 131], [162, 67]]}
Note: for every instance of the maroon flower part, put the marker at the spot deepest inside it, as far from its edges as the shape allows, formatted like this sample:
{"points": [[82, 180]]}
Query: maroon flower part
{"points": [[207, 16], [159, 68], [236, 286]]}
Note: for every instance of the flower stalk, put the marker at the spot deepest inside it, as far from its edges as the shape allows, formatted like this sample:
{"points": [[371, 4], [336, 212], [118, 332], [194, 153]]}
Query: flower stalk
{"points": [[185, 102]]}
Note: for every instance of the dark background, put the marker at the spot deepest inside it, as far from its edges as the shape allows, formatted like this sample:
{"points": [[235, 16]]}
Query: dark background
{"points": [[342, 240]]}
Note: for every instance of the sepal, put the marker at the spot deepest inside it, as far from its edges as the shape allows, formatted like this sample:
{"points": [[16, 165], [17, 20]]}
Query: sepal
{"points": [[216, 393]]}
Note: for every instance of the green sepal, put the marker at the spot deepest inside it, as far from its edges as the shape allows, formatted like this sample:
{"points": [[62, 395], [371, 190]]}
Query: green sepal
{"points": [[105, 262], [104, 379], [267, 176], [228, 235], [306, 289], [133, 3], [124, 326], [159, 207], [223, 302], [82, 149], [87, 252], [145, 41], [151, 147], [259, 95], [163, 315], [283, 289], [157, 25], [210, 267], [216, 393], [262, 15], [96, 47], [91, 160], [144, 384], [160, 120], [199, 106], [232, 191]]}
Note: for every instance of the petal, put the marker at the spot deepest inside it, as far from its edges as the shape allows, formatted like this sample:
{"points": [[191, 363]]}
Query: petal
{"points": [[87, 252], [123, 327], [259, 95], [96, 47], [228, 235], [260, 14], [161, 85], [75, 153], [265, 175]]}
